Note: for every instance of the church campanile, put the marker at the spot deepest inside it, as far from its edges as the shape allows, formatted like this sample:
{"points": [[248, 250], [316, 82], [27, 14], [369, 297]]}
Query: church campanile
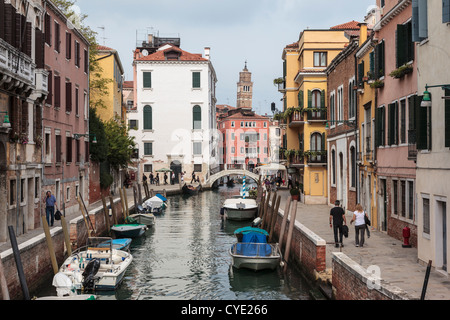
{"points": [[244, 89]]}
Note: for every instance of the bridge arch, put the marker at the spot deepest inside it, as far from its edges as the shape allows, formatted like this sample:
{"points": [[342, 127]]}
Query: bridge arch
{"points": [[224, 173]]}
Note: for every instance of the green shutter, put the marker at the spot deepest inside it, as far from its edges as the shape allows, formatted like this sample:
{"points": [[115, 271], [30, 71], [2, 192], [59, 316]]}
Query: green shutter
{"points": [[322, 99], [402, 44], [300, 99], [195, 79], [148, 148], [309, 99], [147, 79], [421, 125], [372, 64], [361, 74], [148, 123], [378, 127], [391, 124], [447, 118], [196, 117], [412, 112]]}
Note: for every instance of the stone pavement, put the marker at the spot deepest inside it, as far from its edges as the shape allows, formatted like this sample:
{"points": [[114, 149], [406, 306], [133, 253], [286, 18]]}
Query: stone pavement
{"points": [[398, 266]]}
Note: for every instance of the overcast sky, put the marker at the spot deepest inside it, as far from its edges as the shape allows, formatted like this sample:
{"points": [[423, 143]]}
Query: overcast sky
{"points": [[255, 31]]}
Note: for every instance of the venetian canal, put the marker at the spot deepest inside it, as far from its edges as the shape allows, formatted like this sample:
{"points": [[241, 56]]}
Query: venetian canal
{"points": [[185, 257]]}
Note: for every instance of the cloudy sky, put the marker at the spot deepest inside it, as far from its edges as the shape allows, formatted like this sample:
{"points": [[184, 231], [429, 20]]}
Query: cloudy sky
{"points": [[255, 31]]}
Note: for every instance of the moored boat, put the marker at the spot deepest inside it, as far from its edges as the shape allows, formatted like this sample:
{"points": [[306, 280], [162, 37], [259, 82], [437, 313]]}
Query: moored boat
{"points": [[129, 230], [154, 205], [96, 268], [143, 217], [190, 189], [240, 208], [252, 251]]}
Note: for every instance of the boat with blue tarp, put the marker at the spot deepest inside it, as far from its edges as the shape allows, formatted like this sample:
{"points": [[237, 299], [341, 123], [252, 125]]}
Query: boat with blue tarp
{"points": [[252, 251]]}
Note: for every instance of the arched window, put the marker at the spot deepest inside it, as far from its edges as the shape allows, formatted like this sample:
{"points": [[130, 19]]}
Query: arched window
{"points": [[333, 167], [197, 117], [317, 141], [148, 123], [353, 166]]}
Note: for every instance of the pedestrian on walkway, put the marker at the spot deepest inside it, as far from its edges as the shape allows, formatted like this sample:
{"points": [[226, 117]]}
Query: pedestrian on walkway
{"points": [[144, 178], [337, 221], [50, 203], [360, 225], [165, 178], [157, 179], [152, 179], [193, 177]]}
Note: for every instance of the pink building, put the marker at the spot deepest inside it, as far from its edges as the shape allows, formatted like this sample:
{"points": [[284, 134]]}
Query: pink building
{"points": [[66, 111], [395, 64]]}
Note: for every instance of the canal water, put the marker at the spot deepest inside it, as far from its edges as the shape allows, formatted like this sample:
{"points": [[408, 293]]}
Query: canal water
{"points": [[184, 256]]}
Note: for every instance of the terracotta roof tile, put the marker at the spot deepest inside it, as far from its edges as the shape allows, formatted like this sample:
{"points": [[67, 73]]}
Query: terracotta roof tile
{"points": [[352, 25], [159, 55], [128, 84], [104, 48]]}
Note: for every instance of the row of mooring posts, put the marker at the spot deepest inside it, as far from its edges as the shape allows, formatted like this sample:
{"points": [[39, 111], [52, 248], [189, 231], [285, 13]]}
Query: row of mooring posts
{"points": [[268, 214]]}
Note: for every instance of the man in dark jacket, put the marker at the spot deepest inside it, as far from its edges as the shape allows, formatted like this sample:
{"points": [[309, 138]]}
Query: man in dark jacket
{"points": [[337, 221]]}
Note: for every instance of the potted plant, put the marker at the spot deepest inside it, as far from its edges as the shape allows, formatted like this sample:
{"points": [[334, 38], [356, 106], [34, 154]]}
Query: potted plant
{"points": [[295, 193]]}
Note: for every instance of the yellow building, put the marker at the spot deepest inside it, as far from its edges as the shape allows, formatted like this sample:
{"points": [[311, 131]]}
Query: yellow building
{"points": [[367, 107], [112, 70], [304, 92]]}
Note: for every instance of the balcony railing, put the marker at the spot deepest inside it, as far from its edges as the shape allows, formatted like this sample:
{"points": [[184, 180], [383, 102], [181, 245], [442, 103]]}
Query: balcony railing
{"points": [[16, 64], [282, 86], [317, 114], [296, 160], [296, 119], [412, 146], [316, 156]]}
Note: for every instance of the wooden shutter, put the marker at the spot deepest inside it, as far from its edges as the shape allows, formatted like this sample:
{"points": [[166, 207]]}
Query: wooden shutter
{"points": [[40, 48], [57, 37], [445, 11], [361, 74], [402, 45], [148, 118], [147, 79], [48, 29], [421, 125], [447, 118], [322, 99], [412, 112], [68, 96], [68, 149], [300, 99], [372, 64], [57, 92], [378, 127], [309, 99], [50, 88], [195, 79], [68, 45]]}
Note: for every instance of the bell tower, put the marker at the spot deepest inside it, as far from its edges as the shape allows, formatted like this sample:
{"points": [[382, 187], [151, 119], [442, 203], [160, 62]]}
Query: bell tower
{"points": [[244, 89]]}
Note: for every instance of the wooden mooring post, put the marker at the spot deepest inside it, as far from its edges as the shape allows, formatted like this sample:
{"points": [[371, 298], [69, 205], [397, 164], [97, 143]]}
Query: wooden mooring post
{"points": [[274, 219], [283, 223], [290, 231]]}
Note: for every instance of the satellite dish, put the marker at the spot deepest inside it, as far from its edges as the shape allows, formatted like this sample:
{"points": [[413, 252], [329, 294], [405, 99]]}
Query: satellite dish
{"points": [[144, 53]]}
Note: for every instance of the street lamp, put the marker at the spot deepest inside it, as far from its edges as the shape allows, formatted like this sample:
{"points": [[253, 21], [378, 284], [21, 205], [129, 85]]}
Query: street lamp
{"points": [[77, 136], [426, 100], [6, 123]]}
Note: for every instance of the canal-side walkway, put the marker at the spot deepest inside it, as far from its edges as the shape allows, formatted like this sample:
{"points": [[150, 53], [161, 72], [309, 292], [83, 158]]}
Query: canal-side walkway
{"points": [[398, 266]]}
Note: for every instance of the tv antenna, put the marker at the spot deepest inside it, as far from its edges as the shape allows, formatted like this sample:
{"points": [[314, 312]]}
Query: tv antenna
{"points": [[104, 37]]}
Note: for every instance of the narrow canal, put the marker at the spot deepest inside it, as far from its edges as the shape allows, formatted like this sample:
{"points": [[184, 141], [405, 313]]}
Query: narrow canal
{"points": [[185, 256]]}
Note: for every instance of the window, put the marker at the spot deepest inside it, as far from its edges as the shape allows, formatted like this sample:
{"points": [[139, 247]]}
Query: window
{"points": [[426, 215], [68, 149], [403, 198], [68, 97], [320, 59], [57, 91], [340, 104], [148, 148], [77, 151], [148, 121], [445, 11], [333, 167], [198, 167], [50, 88], [332, 108], [232, 124], [86, 61], [47, 145], [195, 79], [380, 123], [197, 117], [48, 29], [57, 37], [68, 45], [352, 99], [393, 123], [148, 168], [58, 148], [197, 148], [233, 149], [410, 200], [353, 166], [77, 54], [403, 121], [405, 45], [36, 188], [133, 124], [447, 118], [423, 122], [12, 192], [420, 19], [77, 101], [379, 60], [394, 196], [147, 78]]}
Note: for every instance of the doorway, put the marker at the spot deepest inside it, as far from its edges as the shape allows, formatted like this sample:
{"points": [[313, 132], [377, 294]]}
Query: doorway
{"points": [[441, 234], [175, 166]]}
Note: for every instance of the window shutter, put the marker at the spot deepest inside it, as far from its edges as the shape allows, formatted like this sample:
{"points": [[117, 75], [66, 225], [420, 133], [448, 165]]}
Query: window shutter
{"points": [[48, 30], [423, 19], [40, 51], [361, 74], [68, 45], [421, 125], [377, 127], [148, 121], [445, 11], [372, 64], [391, 124], [195, 79], [412, 112], [147, 79], [447, 118], [300, 99], [57, 92], [402, 45], [322, 99], [196, 117], [415, 21], [309, 99], [50, 88], [68, 96]]}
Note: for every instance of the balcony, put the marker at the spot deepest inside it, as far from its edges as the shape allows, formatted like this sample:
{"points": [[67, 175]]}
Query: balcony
{"points": [[281, 86], [296, 160], [296, 119], [317, 114], [17, 68], [316, 157]]}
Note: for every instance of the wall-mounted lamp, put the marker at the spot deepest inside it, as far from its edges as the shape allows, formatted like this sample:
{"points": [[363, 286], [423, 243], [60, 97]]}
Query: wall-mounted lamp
{"points": [[77, 136], [426, 100], [351, 123], [6, 123]]}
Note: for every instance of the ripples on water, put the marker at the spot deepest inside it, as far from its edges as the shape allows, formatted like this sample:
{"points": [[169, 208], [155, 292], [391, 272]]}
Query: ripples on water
{"points": [[185, 256]]}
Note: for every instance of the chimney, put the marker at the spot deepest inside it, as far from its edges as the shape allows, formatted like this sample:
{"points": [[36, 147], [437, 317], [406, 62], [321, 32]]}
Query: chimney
{"points": [[207, 49], [362, 32]]}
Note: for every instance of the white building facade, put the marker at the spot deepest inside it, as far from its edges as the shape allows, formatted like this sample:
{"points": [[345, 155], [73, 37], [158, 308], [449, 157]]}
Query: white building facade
{"points": [[173, 117]]}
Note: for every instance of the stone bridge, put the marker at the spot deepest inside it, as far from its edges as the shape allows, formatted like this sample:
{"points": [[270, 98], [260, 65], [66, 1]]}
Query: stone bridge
{"points": [[236, 172]]}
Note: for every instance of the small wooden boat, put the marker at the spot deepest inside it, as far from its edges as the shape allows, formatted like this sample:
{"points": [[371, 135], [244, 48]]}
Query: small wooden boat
{"points": [[239, 208], [129, 230], [190, 189], [143, 217], [252, 251], [96, 268]]}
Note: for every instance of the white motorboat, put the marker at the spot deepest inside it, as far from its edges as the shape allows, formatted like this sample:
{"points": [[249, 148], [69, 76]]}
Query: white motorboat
{"points": [[96, 268], [154, 205], [252, 251], [65, 290], [240, 208]]}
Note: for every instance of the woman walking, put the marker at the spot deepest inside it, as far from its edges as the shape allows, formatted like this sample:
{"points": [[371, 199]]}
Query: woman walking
{"points": [[360, 225]]}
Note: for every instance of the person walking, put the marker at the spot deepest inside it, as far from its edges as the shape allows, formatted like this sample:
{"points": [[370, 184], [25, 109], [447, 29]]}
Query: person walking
{"points": [[193, 177], [152, 179], [337, 221], [157, 179], [360, 225], [50, 203], [144, 178]]}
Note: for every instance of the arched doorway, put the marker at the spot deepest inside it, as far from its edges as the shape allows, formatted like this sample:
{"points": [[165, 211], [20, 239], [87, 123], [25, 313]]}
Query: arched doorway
{"points": [[175, 166]]}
